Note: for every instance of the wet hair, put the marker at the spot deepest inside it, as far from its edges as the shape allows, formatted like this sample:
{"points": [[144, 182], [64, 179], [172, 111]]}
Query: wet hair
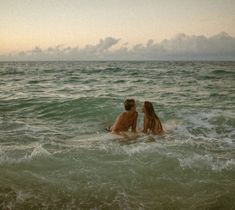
{"points": [[152, 115], [128, 103]]}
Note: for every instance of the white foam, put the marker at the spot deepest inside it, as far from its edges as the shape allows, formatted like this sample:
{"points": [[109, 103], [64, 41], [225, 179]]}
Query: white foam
{"points": [[172, 125], [206, 161], [22, 196], [38, 151], [131, 150], [204, 120]]}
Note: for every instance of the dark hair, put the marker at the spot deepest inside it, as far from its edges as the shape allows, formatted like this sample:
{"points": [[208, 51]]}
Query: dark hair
{"points": [[151, 114], [128, 103]]}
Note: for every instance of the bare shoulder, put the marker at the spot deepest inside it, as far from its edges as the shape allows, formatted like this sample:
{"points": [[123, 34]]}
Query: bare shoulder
{"points": [[122, 115]]}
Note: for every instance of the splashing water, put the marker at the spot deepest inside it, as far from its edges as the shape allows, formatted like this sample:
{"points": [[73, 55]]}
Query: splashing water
{"points": [[55, 154]]}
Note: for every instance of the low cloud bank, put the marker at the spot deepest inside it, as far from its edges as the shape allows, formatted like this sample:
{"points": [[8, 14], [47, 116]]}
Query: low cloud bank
{"points": [[180, 47]]}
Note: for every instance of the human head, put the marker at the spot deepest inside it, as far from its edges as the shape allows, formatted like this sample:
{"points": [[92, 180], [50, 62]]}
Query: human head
{"points": [[147, 108], [129, 104]]}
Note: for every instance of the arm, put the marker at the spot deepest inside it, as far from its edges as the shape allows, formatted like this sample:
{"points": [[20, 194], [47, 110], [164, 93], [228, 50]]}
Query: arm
{"points": [[145, 127], [133, 127], [159, 129], [117, 124]]}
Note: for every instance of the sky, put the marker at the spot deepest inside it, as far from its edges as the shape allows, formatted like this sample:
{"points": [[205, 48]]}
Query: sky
{"points": [[117, 29]]}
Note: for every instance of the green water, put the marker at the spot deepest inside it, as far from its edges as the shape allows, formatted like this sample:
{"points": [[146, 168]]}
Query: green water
{"points": [[55, 153]]}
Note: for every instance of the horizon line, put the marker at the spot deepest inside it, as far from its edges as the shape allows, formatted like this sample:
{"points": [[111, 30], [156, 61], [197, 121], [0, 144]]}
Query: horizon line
{"points": [[147, 60]]}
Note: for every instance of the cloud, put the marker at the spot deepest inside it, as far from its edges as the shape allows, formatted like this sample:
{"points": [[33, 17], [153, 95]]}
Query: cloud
{"points": [[219, 46], [97, 51], [180, 47], [36, 50]]}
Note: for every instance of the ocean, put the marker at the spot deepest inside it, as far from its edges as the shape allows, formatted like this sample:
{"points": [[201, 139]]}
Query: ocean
{"points": [[56, 154]]}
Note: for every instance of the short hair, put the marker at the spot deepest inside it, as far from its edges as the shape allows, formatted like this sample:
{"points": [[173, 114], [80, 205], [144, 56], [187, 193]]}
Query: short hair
{"points": [[128, 103]]}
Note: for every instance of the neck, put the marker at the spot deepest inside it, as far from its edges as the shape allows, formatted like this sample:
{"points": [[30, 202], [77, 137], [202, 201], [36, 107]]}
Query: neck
{"points": [[131, 111]]}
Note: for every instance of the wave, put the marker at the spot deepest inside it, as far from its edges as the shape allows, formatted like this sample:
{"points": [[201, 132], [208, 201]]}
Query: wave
{"points": [[61, 108], [112, 69], [37, 151], [55, 152], [197, 161], [222, 72]]}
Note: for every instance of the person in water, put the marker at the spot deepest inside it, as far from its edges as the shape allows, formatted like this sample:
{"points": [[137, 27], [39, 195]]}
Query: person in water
{"points": [[127, 119], [152, 123]]}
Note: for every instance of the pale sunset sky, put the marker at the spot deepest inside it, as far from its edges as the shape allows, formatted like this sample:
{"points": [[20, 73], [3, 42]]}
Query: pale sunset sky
{"points": [[25, 24]]}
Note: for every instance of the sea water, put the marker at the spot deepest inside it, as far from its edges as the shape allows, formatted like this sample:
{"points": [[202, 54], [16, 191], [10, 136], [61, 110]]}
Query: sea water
{"points": [[56, 154]]}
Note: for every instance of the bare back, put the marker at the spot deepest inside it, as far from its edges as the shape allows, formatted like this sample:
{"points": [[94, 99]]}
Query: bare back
{"points": [[125, 121]]}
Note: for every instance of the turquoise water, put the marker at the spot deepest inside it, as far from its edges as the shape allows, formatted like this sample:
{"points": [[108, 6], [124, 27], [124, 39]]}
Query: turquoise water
{"points": [[55, 154]]}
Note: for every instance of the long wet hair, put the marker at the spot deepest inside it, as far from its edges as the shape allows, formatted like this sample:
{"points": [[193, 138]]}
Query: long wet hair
{"points": [[152, 115]]}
